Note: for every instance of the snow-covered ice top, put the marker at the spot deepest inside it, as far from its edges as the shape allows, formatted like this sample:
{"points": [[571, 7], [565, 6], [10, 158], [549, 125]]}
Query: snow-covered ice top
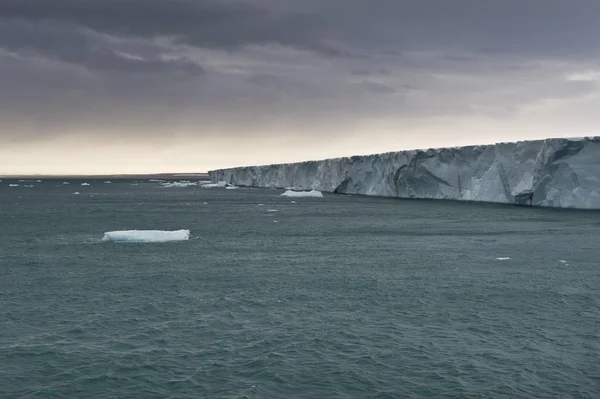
{"points": [[146, 236], [85, 184]]}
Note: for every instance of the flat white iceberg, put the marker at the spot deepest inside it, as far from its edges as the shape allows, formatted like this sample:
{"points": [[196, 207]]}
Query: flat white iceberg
{"points": [[13, 185], [107, 182], [178, 184], [231, 188], [66, 182], [215, 185], [85, 184], [503, 258], [146, 236], [298, 194], [76, 193]]}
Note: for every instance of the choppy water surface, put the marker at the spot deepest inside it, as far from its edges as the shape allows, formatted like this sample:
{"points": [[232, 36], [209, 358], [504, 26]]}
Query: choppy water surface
{"points": [[341, 297]]}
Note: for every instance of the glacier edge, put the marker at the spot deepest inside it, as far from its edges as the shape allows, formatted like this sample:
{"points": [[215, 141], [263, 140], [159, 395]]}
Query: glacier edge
{"points": [[558, 172]]}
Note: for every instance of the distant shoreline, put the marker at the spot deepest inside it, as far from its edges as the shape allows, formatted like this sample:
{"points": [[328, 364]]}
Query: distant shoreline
{"points": [[115, 177]]}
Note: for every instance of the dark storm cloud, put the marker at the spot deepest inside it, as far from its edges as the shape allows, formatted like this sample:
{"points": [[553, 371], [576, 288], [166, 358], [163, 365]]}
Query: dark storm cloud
{"points": [[330, 26], [74, 63], [214, 24], [75, 45]]}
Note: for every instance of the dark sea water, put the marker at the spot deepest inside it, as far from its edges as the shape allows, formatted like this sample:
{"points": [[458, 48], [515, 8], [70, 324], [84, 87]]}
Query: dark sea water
{"points": [[343, 297]]}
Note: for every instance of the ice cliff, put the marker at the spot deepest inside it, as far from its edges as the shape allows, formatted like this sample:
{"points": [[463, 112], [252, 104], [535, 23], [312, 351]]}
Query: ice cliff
{"points": [[562, 173]]}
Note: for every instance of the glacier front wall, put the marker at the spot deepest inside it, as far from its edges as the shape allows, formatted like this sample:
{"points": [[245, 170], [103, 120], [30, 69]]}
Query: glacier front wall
{"points": [[561, 173]]}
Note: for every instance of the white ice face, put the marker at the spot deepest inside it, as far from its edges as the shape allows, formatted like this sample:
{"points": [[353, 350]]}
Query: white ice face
{"points": [[554, 172]]}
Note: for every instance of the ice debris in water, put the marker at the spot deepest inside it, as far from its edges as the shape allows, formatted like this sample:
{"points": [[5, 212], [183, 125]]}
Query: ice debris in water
{"points": [[76, 193], [66, 182], [85, 184], [107, 182], [146, 236], [231, 188], [13, 185], [214, 185], [178, 184], [503, 258], [272, 210], [298, 194]]}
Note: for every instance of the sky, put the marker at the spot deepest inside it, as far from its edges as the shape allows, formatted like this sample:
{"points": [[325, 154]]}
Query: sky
{"points": [[148, 86]]}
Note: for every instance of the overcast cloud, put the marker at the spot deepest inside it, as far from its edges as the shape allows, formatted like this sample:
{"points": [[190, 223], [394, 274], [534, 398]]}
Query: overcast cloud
{"points": [[183, 85]]}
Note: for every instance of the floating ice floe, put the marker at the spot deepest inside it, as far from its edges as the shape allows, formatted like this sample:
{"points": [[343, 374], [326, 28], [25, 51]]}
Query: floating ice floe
{"points": [[503, 258], [146, 236], [184, 183], [66, 182], [220, 184], [13, 185], [294, 202], [107, 182], [231, 188], [29, 185], [76, 193], [85, 184], [272, 210], [298, 194]]}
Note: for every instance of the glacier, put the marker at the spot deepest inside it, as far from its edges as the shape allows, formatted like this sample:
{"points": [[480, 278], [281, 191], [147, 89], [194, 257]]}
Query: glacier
{"points": [[557, 172]]}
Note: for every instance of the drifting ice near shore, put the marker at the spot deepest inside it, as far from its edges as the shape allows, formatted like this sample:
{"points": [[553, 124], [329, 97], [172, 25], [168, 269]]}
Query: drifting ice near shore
{"points": [[562, 173], [299, 194], [178, 184], [146, 236], [218, 184]]}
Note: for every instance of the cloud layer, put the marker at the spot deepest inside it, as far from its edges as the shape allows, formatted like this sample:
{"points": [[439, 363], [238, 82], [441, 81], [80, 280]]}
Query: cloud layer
{"points": [[260, 81]]}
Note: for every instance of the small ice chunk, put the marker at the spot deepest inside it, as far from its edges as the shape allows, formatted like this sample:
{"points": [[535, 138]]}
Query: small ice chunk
{"points": [[272, 210], [275, 221], [179, 184], [214, 185], [13, 185], [298, 194], [146, 236], [66, 182], [261, 204], [107, 182], [562, 261], [294, 202], [206, 203], [85, 184], [231, 188], [503, 258], [76, 193]]}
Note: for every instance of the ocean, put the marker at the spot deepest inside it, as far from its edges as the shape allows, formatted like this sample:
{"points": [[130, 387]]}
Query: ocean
{"points": [[339, 297]]}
